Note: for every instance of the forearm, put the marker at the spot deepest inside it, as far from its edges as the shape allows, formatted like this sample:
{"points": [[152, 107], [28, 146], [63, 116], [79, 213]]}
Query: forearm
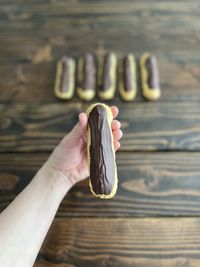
{"points": [[24, 224]]}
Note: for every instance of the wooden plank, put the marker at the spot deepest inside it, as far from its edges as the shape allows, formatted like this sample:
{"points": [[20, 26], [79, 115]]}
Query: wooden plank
{"points": [[27, 26], [150, 184], [146, 126], [34, 34], [28, 127], [33, 83], [163, 242], [44, 263]]}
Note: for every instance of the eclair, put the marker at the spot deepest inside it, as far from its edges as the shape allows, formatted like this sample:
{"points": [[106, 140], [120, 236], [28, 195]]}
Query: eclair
{"points": [[128, 84], [65, 78], [149, 77], [108, 84], [100, 152], [86, 77]]}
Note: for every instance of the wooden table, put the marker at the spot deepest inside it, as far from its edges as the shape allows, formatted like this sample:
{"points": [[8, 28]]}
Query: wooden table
{"points": [[154, 219]]}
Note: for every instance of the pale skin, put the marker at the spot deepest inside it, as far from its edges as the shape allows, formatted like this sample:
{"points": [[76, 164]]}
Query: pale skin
{"points": [[25, 222]]}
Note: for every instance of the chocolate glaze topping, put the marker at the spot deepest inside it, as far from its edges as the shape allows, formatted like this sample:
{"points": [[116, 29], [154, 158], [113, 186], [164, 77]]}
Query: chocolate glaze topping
{"points": [[153, 75], [107, 65], [65, 76], [102, 161], [127, 74], [89, 72]]}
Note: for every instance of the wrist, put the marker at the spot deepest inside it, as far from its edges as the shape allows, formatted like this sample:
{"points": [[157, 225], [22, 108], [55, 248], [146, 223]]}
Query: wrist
{"points": [[58, 180]]}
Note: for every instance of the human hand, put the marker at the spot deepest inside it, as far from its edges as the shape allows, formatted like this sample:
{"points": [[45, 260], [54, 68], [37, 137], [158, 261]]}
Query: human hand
{"points": [[69, 159]]}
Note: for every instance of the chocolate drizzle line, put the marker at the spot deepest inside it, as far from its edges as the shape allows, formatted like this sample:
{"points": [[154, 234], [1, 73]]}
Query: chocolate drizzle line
{"points": [[65, 76], [107, 65], [152, 70], [89, 72], [102, 161], [127, 74]]}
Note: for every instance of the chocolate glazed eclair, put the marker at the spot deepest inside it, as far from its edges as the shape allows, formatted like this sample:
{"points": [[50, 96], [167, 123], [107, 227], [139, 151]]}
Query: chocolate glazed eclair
{"points": [[108, 77], [127, 85], [100, 152], [149, 77], [86, 77], [65, 78]]}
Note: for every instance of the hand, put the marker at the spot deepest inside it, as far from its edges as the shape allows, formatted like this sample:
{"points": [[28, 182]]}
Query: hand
{"points": [[69, 159]]}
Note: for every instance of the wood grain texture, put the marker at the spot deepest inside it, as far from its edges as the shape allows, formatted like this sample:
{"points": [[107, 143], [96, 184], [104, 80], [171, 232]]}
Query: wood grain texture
{"points": [[150, 184], [45, 263], [27, 26], [21, 125], [129, 242], [35, 33], [146, 126]]}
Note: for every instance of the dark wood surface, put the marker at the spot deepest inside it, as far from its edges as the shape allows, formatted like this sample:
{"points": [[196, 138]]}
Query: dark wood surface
{"points": [[150, 184], [124, 242], [147, 126], [154, 219]]}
